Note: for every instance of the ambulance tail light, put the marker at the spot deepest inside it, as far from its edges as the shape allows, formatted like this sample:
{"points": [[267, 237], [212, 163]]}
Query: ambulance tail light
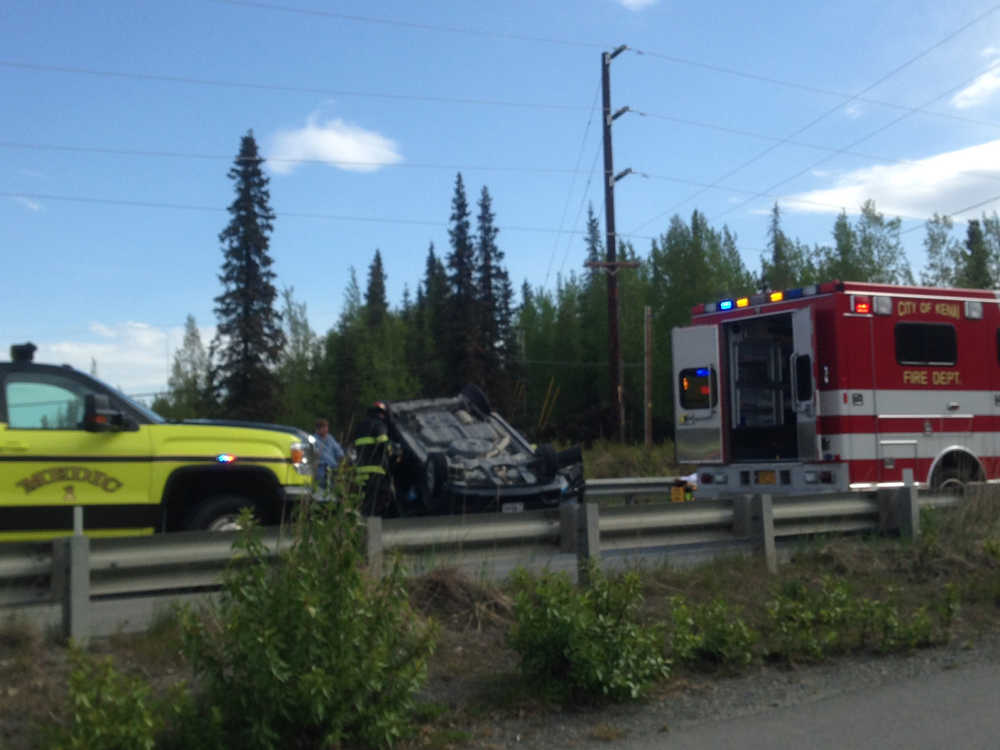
{"points": [[861, 304]]}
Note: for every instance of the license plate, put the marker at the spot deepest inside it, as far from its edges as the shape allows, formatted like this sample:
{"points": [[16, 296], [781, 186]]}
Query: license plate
{"points": [[767, 477], [512, 508]]}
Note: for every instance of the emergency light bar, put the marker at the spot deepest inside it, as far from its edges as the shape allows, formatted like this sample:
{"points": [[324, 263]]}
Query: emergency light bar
{"points": [[729, 303]]}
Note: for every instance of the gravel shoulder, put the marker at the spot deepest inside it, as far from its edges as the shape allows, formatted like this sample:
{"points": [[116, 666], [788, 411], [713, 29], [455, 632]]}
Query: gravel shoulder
{"points": [[687, 701]]}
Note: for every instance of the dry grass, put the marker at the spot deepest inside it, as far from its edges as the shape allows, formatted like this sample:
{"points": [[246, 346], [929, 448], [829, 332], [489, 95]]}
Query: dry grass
{"points": [[606, 460], [474, 675]]}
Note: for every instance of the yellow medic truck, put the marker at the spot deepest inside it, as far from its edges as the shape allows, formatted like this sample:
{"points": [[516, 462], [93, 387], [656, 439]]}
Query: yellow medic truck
{"points": [[67, 439]]}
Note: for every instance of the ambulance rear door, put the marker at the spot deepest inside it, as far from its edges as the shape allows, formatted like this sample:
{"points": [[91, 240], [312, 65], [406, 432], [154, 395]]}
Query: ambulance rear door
{"points": [[697, 396], [802, 366]]}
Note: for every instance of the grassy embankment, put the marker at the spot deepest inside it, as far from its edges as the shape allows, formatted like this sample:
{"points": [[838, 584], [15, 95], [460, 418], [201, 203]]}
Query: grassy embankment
{"points": [[838, 596]]}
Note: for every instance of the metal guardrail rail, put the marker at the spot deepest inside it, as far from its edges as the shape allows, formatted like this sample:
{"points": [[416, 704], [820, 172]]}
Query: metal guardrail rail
{"points": [[131, 577]]}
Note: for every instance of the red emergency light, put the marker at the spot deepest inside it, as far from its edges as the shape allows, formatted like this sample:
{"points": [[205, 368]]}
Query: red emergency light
{"points": [[861, 304]]}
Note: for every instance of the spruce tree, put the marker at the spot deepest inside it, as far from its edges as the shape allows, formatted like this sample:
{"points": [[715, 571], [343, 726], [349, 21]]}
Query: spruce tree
{"points": [[249, 339], [494, 300], [462, 330], [376, 305], [974, 272], [187, 385], [431, 356]]}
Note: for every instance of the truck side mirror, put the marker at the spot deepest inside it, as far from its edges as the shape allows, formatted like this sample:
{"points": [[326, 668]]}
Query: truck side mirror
{"points": [[98, 416]]}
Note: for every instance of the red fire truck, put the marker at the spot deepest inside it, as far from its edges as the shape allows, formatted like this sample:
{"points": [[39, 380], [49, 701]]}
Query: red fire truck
{"points": [[840, 386]]}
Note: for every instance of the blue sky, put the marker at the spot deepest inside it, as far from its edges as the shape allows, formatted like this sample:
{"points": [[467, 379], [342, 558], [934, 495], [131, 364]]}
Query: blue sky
{"points": [[120, 121]]}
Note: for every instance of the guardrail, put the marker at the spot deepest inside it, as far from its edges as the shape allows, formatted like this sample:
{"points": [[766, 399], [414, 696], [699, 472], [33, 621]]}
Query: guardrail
{"points": [[93, 587]]}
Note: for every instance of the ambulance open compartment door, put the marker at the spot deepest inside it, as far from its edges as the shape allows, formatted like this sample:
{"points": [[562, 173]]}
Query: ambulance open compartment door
{"points": [[698, 401], [802, 367]]}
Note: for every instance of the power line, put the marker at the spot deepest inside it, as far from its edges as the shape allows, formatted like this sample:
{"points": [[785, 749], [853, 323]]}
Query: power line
{"points": [[579, 210], [778, 139], [828, 112], [326, 162], [569, 193], [457, 167], [960, 211], [806, 87], [675, 59], [825, 159], [218, 83], [410, 24], [295, 214]]}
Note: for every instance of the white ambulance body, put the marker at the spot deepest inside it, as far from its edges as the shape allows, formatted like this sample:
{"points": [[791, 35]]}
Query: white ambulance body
{"points": [[839, 386]]}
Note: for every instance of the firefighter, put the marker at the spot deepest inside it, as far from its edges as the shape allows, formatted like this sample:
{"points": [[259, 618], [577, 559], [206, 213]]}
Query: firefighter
{"points": [[371, 459]]}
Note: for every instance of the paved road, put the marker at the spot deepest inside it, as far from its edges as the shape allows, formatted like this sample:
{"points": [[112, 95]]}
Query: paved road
{"points": [[957, 709]]}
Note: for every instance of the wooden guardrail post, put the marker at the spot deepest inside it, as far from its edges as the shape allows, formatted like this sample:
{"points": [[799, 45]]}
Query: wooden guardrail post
{"points": [[588, 541], [374, 552], [763, 522]]}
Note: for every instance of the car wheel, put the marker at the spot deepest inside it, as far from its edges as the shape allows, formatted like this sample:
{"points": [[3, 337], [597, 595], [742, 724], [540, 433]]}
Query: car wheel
{"points": [[549, 458], [432, 479], [475, 396], [218, 513]]}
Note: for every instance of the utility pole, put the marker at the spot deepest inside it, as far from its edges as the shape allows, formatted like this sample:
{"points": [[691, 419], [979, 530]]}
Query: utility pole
{"points": [[617, 367]]}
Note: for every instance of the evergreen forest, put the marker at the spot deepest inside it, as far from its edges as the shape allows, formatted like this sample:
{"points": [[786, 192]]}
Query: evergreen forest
{"points": [[540, 354]]}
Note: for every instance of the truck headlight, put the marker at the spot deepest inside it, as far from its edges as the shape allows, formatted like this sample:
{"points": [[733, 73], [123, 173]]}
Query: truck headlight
{"points": [[302, 456]]}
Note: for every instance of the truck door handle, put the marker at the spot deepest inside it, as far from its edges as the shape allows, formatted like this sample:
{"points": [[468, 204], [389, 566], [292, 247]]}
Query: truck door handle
{"points": [[953, 406]]}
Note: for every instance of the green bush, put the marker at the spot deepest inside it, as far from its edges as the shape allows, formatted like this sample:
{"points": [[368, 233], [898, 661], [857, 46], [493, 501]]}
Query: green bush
{"points": [[813, 623], [709, 634], [585, 643], [108, 710], [311, 651], [810, 623]]}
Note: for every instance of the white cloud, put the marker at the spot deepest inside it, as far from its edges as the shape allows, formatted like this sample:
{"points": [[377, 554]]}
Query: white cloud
{"points": [[135, 357], [335, 142], [980, 90], [28, 203], [637, 5], [944, 183]]}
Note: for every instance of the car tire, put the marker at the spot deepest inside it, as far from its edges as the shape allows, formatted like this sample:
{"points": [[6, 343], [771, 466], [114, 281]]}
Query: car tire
{"points": [[549, 459], [432, 479], [218, 513], [475, 396]]}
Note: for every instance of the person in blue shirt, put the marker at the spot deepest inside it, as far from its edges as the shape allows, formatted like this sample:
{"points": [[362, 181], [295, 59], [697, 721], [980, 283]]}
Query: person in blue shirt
{"points": [[329, 454]]}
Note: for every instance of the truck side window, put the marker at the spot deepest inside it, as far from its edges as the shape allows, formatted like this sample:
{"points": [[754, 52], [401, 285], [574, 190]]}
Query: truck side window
{"points": [[42, 403], [926, 344], [698, 388]]}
